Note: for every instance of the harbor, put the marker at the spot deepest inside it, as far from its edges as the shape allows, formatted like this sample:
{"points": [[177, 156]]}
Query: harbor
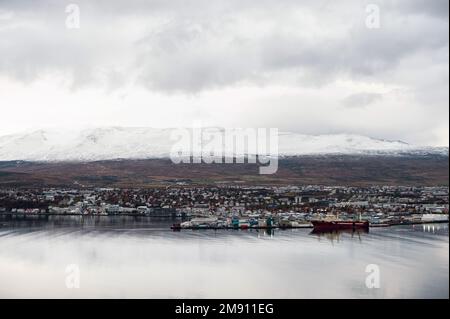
{"points": [[184, 221], [238, 207], [324, 225]]}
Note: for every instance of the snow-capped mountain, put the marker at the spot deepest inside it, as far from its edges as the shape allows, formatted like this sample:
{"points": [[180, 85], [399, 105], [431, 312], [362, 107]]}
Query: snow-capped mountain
{"points": [[142, 143]]}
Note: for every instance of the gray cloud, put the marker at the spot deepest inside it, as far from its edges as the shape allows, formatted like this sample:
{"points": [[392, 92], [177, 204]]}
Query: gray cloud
{"points": [[437, 8], [195, 48], [361, 100], [183, 47]]}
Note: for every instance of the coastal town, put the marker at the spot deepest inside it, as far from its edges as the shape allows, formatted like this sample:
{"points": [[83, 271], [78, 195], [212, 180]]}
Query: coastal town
{"points": [[237, 206]]}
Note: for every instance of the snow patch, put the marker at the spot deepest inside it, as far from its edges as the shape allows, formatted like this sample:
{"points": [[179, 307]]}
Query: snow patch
{"points": [[143, 143]]}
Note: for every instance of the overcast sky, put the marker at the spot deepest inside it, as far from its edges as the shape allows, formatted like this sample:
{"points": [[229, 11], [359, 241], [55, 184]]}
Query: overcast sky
{"points": [[313, 67]]}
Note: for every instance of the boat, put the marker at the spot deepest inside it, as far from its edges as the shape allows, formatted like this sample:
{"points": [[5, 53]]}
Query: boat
{"points": [[434, 218], [339, 224], [199, 223]]}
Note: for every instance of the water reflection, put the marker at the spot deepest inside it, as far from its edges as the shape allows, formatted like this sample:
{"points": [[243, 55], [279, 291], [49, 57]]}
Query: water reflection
{"points": [[335, 235], [48, 222], [142, 258], [432, 228]]}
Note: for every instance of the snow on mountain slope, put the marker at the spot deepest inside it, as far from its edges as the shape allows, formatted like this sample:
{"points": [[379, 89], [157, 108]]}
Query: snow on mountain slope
{"points": [[141, 143]]}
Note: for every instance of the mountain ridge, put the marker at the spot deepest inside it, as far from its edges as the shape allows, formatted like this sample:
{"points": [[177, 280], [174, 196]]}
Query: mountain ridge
{"points": [[110, 143]]}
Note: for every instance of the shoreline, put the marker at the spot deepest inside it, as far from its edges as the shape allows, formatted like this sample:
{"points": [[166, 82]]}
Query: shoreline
{"points": [[306, 226]]}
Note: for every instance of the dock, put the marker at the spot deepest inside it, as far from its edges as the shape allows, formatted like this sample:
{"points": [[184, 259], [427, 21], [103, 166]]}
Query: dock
{"points": [[306, 226], [302, 226]]}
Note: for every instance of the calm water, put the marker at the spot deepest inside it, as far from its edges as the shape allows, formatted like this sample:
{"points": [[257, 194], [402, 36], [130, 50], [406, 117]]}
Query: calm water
{"points": [[141, 258]]}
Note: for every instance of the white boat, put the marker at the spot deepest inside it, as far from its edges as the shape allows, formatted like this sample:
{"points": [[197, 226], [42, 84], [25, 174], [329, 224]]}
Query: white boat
{"points": [[204, 221], [429, 218]]}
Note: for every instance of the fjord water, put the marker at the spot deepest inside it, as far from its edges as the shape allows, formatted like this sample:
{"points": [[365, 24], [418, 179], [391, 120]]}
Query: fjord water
{"points": [[141, 258]]}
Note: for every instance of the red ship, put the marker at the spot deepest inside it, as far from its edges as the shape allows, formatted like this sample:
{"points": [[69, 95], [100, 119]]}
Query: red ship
{"points": [[339, 224]]}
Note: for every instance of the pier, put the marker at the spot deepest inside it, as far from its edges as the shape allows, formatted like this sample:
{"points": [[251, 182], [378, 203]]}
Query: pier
{"points": [[303, 226]]}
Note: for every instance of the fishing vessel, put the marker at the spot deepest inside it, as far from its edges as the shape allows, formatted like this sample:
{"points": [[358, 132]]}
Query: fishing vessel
{"points": [[339, 224], [334, 223]]}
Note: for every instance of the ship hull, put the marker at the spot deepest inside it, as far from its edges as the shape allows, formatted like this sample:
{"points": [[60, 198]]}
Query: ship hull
{"points": [[337, 225]]}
